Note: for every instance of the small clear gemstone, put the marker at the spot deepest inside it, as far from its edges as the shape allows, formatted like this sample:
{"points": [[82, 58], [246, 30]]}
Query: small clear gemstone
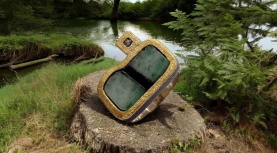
{"points": [[128, 42]]}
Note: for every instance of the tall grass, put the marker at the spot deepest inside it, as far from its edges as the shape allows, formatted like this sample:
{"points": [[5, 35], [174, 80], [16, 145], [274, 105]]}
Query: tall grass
{"points": [[41, 98], [16, 48]]}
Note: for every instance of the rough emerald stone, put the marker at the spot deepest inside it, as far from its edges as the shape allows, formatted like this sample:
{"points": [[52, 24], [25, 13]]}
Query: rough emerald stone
{"points": [[150, 62], [123, 90], [128, 42]]}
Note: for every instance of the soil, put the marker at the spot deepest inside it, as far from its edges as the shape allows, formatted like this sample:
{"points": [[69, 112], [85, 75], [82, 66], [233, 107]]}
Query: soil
{"points": [[217, 142], [223, 142]]}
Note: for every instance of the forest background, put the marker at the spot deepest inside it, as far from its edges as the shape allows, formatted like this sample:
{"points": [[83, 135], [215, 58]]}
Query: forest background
{"points": [[22, 15]]}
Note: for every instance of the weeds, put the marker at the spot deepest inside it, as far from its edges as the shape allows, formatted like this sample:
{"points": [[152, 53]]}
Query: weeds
{"points": [[178, 146]]}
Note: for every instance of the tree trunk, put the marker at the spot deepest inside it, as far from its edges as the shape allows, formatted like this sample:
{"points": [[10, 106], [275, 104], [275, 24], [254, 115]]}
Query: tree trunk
{"points": [[115, 9], [95, 127]]}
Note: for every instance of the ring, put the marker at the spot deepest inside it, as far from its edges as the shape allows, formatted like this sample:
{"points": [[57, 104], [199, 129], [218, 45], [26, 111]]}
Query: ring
{"points": [[140, 82]]}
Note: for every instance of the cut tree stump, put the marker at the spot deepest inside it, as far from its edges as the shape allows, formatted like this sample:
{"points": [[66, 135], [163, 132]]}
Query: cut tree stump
{"points": [[94, 126]]}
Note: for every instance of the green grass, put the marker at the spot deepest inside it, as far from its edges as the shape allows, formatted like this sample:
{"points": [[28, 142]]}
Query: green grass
{"points": [[46, 41], [41, 98]]}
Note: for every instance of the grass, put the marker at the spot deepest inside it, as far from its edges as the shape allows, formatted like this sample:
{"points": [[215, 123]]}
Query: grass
{"points": [[47, 41], [38, 105], [17, 49]]}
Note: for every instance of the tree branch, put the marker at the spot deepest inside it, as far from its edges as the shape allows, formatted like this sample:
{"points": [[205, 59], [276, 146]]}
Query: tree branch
{"points": [[272, 80], [247, 42], [250, 46], [211, 49]]}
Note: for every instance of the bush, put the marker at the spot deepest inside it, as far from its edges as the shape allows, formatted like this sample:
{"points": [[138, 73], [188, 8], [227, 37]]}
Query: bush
{"points": [[228, 66]]}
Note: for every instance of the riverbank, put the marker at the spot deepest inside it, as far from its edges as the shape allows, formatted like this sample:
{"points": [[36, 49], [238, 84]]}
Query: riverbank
{"points": [[38, 106], [15, 49]]}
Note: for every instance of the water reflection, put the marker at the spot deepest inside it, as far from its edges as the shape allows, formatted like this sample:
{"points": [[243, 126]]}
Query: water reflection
{"points": [[9, 75], [105, 33], [115, 29]]}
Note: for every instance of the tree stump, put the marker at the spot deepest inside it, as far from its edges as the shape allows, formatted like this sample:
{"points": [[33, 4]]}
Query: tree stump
{"points": [[93, 125]]}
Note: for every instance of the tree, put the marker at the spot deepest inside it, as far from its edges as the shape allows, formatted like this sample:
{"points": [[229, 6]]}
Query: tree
{"points": [[115, 10], [19, 15], [186, 5], [62, 8], [229, 66], [161, 8]]}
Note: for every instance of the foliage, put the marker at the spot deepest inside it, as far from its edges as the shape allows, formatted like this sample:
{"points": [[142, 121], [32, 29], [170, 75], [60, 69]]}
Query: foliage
{"points": [[178, 146], [162, 8], [156, 9], [228, 65], [130, 11], [89, 10], [19, 15], [41, 98]]}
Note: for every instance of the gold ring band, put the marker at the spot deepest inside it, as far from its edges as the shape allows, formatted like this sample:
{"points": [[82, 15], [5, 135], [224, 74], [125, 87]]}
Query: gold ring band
{"points": [[157, 100]]}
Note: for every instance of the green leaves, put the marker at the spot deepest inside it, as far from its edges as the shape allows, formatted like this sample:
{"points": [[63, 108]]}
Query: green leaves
{"points": [[229, 66], [182, 22], [2, 13]]}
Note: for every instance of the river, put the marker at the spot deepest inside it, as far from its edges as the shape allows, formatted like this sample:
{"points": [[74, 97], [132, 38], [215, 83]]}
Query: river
{"points": [[105, 34]]}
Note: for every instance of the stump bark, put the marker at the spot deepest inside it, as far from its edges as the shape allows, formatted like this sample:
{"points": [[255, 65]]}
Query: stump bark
{"points": [[94, 126]]}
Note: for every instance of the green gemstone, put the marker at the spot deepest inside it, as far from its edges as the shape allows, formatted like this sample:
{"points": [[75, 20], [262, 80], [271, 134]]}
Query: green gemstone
{"points": [[123, 90], [150, 62]]}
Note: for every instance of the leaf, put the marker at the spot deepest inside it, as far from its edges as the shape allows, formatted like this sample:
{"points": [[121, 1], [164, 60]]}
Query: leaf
{"points": [[208, 64], [235, 116], [180, 144], [204, 81]]}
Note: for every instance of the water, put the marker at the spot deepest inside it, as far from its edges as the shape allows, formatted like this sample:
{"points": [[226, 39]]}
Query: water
{"points": [[105, 33], [7, 75]]}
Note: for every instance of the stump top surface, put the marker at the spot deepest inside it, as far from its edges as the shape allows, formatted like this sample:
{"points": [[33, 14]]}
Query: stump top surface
{"points": [[157, 130]]}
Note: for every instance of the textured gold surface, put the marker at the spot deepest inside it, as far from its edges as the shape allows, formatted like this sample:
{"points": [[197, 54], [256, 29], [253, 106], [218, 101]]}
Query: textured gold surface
{"points": [[125, 49], [131, 52]]}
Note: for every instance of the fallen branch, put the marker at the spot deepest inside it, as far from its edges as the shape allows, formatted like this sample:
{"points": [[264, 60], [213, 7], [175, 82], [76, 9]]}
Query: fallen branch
{"points": [[33, 62], [81, 58], [4, 65], [95, 61], [10, 63]]}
